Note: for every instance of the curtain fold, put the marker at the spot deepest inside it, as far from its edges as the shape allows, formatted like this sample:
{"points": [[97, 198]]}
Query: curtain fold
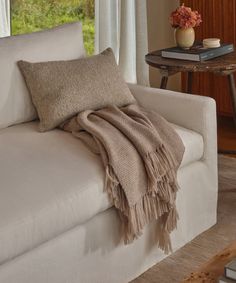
{"points": [[122, 25], [5, 18]]}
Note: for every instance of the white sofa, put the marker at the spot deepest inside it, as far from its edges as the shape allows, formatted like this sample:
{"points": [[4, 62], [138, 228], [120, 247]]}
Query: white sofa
{"points": [[56, 223]]}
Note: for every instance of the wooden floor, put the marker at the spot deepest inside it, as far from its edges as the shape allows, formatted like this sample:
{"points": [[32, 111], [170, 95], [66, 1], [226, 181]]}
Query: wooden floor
{"points": [[179, 265], [211, 270], [226, 134]]}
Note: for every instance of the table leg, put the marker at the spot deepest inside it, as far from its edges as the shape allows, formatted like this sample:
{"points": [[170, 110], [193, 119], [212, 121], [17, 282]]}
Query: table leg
{"points": [[190, 82], [164, 81], [233, 99], [233, 94]]}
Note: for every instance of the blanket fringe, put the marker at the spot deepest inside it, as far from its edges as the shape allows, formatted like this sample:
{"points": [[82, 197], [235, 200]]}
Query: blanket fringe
{"points": [[150, 207], [160, 167]]}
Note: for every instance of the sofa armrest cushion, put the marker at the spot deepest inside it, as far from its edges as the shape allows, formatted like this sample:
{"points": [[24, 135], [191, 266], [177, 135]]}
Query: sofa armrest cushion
{"points": [[193, 112]]}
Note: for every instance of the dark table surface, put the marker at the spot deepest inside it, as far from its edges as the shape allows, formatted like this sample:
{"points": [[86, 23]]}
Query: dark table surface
{"points": [[223, 64]]}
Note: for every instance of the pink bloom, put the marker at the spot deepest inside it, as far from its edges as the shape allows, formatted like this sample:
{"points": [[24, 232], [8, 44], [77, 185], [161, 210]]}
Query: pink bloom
{"points": [[184, 17]]}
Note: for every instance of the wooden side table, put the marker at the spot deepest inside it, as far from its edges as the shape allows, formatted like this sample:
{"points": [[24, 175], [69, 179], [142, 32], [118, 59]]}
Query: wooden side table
{"points": [[223, 65]]}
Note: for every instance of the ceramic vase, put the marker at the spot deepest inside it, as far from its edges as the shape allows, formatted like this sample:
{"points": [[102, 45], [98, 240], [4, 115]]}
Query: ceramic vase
{"points": [[184, 37]]}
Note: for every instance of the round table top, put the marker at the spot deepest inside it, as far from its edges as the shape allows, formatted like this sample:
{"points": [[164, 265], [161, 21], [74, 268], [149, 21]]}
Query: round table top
{"points": [[223, 64]]}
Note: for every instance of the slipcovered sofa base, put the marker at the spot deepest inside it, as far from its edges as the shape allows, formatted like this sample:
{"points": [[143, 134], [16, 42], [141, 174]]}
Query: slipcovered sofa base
{"points": [[92, 252]]}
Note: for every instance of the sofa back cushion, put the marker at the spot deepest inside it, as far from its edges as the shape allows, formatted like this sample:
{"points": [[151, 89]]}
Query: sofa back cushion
{"points": [[60, 43]]}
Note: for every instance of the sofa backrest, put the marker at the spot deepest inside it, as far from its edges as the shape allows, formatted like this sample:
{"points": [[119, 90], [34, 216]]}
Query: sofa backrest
{"points": [[60, 43]]}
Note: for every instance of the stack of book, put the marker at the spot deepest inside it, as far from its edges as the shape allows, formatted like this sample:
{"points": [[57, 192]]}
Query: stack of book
{"points": [[197, 53], [230, 273]]}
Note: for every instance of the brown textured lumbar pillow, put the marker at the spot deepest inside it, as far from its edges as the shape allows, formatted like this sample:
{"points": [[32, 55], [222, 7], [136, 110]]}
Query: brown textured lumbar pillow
{"points": [[61, 89]]}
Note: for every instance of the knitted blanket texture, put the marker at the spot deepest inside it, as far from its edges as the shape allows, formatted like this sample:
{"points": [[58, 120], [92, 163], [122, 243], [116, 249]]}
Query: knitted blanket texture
{"points": [[141, 154]]}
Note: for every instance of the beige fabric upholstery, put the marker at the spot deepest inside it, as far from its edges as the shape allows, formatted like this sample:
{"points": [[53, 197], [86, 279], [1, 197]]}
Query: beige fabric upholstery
{"points": [[91, 253], [51, 182], [61, 89], [61, 43]]}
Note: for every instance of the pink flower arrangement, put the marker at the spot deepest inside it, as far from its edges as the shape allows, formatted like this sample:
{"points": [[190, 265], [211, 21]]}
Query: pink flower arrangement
{"points": [[184, 17]]}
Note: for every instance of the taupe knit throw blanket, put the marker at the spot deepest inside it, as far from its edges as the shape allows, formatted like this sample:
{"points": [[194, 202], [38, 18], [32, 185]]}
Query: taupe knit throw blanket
{"points": [[141, 154]]}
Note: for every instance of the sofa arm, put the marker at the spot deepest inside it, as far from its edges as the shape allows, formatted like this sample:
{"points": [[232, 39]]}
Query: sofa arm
{"points": [[193, 112]]}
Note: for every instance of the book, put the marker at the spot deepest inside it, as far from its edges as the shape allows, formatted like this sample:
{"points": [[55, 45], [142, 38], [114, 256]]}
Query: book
{"points": [[230, 269], [223, 279], [197, 52]]}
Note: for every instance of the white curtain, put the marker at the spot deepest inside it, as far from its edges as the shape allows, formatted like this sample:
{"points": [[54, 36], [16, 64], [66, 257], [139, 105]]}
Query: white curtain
{"points": [[4, 18], [122, 25]]}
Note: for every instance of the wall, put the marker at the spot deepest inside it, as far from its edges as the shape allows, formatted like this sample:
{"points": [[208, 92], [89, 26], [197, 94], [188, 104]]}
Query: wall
{"points": [[161, 35], [218, 20]]}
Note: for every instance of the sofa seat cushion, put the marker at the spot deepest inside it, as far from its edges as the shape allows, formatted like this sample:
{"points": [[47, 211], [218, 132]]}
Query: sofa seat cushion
{"points": [[194, 145], [50, 182]]}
